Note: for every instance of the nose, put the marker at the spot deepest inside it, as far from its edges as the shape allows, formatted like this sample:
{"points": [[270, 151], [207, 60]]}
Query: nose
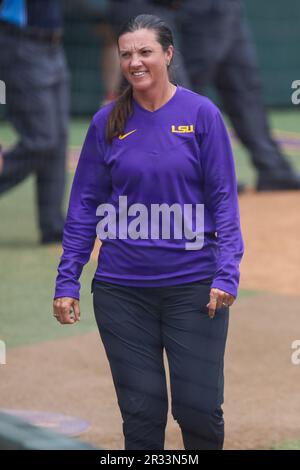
{"points": [[135, 61]]}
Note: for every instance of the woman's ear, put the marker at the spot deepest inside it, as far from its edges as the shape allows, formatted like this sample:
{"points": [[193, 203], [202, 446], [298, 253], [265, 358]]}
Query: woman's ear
{"points": [[170, 53]]}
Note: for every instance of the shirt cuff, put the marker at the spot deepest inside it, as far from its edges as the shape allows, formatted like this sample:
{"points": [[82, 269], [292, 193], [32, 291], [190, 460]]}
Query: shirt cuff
{"points": [[66, 293]]}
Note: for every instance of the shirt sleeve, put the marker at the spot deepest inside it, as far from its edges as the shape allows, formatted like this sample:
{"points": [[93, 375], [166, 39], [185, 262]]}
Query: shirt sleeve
{"points": [[91, 187], [221, 198]]}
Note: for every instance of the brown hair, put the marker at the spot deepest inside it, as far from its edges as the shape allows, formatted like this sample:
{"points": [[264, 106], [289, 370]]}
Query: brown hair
{"points": [[123, 107]]}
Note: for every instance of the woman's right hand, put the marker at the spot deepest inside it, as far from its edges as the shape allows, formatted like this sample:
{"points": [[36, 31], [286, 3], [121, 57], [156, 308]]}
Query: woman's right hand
{"points": [[66, 310]]}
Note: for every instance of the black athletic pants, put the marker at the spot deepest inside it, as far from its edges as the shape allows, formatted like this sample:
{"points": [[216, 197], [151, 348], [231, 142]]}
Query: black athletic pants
{"points": [[135, 325]]}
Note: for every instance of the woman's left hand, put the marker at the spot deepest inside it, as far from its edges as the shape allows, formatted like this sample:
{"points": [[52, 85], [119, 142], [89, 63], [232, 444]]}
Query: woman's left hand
{"points": [[218, 299]]}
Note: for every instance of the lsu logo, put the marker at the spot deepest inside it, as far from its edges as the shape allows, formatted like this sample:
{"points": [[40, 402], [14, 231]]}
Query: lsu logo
{"points": [[183, 129]]}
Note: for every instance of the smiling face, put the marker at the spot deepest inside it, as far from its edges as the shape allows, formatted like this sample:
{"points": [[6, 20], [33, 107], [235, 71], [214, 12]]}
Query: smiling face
{"points": [[142, 59]]}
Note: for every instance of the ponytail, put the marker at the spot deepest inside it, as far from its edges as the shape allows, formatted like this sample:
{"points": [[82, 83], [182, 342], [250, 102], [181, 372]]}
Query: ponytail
{"points": [[119, 114]]}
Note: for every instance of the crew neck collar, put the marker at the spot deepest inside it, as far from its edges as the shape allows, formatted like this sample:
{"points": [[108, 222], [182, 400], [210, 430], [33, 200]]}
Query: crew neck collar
{"points": [[161, 107]]}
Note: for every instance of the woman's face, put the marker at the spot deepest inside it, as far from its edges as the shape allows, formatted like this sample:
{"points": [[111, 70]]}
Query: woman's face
{"points": [[142, 59]]}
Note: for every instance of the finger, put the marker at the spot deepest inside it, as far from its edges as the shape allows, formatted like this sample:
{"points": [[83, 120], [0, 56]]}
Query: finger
{"points": [[228, 300], [66, 318], [65, 313], [211, 309], [58, 307], [221, 301], [76, 309], [56, 310], [56, 316], [212, 304]]}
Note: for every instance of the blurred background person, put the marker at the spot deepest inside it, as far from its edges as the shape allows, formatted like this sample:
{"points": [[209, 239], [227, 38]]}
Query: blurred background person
{"points": [[217, 49], [33, 67]]}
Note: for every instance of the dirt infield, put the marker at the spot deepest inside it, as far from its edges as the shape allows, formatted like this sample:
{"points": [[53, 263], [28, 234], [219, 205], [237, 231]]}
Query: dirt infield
{"points": [[262, 403], [271, 228]]}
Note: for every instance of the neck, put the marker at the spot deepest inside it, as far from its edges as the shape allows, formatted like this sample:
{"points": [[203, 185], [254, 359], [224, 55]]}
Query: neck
{"points": [[155, 97]]}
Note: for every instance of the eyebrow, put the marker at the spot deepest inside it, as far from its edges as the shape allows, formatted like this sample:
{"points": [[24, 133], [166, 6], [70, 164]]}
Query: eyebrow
{"points": [[143, 47]]}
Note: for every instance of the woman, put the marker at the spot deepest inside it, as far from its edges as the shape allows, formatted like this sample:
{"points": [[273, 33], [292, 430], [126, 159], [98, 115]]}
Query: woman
{"points": [[159, 146]]}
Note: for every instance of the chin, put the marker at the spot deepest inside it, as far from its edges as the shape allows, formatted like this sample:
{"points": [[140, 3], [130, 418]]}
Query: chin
{"points": [[142, 86]]}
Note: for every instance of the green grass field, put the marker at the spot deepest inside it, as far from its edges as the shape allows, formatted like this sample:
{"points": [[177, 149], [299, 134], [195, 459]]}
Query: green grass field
{"points": [[28, 271], [287, 445]]}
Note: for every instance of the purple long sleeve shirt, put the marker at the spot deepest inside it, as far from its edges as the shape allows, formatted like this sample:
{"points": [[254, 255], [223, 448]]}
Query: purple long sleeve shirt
{"points": [[179, 154]]}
